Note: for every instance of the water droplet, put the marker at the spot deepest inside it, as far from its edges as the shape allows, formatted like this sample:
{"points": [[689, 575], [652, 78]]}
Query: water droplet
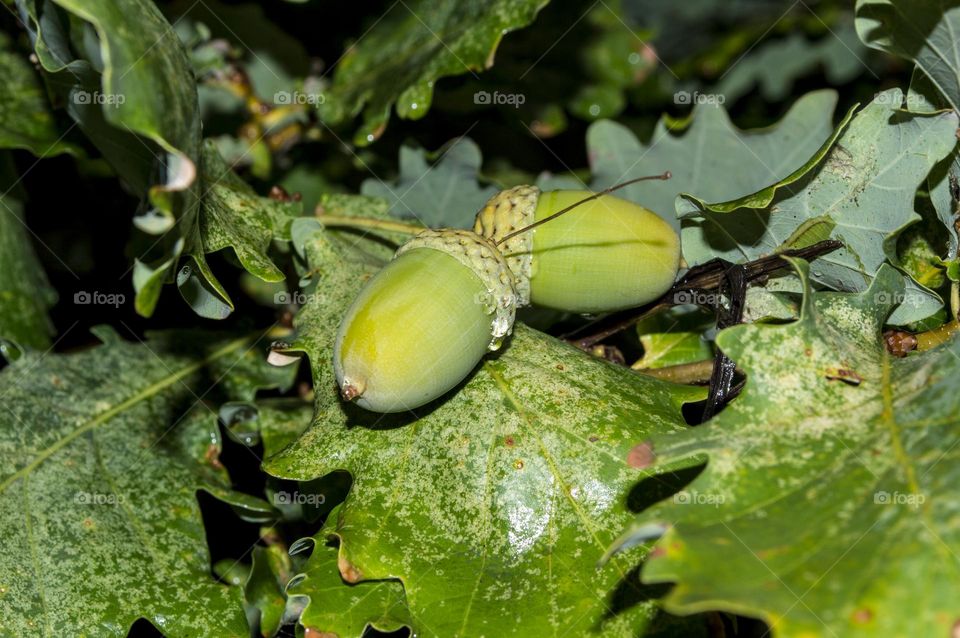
{"points": [[10, 351], [296, 580]]}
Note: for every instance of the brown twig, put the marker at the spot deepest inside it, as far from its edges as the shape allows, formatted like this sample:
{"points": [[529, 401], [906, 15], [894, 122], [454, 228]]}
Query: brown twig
{"points": [[734, 284]]}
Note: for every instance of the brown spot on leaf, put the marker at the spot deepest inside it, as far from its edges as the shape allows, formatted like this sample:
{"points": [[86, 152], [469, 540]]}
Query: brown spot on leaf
{"points": [[305, 391], [656, 553], [609, 353], [543, 129], [518, 464], [899, 343], [862, 616], [349, 571], [641, 455], [846, 375], [88, 523], [279, 193], [509, 440], [560, 367], [270, 536], [593, 438], [212, 456], [316, 633]]}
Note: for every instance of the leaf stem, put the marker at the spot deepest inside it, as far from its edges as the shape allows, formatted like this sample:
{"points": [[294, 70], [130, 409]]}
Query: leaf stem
{"points": [[696, 372], [955, 300], [369, 222], [933, 338]]}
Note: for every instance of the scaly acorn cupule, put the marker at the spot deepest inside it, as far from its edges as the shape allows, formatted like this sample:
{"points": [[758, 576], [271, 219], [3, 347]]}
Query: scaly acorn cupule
{"points": [[421, 324], [605, 254]]}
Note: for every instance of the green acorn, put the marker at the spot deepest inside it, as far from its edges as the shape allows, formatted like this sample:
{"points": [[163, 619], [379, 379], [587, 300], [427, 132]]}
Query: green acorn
{"points": [[598, 253], [422, 323]]}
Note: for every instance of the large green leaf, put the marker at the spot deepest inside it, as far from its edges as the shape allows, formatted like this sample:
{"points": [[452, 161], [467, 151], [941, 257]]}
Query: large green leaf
{"points": [[710, 157], [334, 607], [102, 454], [493, 504], [74, 81], [411, 46], [775, 65], [924, 31], [145, 65], [26, 122], [132, 87], [264, 588], [688, 28], [444, 195], [234, 216], [825, 505], [25, 117], [25, 293], [861, 192]]}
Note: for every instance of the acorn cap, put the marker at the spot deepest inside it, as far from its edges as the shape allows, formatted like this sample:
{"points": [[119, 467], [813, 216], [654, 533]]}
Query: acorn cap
{"points": [[504, 213], [480, 255]]}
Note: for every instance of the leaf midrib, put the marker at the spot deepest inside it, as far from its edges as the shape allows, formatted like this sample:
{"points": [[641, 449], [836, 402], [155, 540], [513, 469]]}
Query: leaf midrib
{"points": [[548, 457], [148, 392]]}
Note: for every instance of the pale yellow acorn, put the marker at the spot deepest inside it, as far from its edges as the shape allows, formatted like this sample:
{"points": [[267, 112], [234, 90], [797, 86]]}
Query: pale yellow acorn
{"points": [[601, 255], [421, 324]]}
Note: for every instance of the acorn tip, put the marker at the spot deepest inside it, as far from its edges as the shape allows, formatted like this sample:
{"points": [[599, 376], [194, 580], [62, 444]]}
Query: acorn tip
{"points": [[349, 391]]}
